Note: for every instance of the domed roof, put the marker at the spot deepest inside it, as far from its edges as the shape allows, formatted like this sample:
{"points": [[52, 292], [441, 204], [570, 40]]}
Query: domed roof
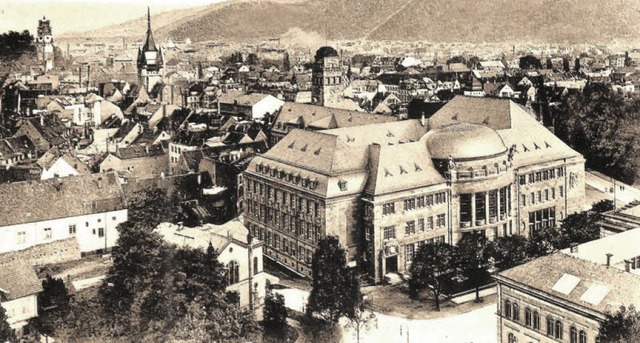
{"points": [[464, 141], [326, 51]]}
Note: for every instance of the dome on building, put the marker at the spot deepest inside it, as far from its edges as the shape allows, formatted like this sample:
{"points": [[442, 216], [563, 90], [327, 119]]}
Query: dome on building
{"points": [[325, 51], [464, 141]]}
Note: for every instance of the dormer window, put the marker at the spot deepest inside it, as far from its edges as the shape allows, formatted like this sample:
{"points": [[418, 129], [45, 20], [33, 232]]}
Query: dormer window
{"points": [[265, 169], [305, 182], [343, 185], [259, 167]]}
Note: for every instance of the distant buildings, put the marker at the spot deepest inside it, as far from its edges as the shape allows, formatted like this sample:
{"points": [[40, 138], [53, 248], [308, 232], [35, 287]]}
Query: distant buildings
{"points": [[565, 296], [477, 165], [326, 80]]}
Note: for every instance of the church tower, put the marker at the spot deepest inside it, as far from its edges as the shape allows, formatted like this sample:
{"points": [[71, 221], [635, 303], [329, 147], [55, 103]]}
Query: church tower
{"points": [[326, 79], [44, 44], [150, 60]]}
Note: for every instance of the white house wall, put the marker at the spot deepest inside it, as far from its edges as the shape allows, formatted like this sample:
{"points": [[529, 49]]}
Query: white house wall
{"points": [[21, 310], [87, 232]]}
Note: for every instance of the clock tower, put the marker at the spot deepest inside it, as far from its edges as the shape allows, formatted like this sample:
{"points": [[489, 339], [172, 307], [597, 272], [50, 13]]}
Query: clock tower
{"points": [[44, 44], [326, 79], [150, 60]]}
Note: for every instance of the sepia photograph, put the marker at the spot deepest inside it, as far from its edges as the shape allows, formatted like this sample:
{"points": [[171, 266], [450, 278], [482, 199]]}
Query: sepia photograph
{"points": [[319, 171]]}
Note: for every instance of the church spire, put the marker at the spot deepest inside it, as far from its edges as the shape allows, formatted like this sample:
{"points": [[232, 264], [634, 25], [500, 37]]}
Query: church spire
{"points": [[150, 43], [148, 20]]}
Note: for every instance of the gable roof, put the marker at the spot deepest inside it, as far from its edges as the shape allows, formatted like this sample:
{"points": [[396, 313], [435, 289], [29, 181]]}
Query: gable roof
{"points": [[35, 201], [495, 113], [307, 115], [600, 289], [17, 280]]}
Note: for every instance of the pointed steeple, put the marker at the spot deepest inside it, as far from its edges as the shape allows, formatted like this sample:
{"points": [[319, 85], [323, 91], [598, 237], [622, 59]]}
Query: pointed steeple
{"points": [[150, 43]]}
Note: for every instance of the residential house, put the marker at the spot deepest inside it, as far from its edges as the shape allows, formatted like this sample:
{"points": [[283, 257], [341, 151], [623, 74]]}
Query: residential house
{"points": [[19, 289], [137, 162], [249, 106], [56, 163]]}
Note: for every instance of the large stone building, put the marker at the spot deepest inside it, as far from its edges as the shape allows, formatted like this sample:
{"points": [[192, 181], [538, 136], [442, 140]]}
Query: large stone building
{"points": [[564, 297], [150, 61], [326, 77], [477, 165], [44, 44]]}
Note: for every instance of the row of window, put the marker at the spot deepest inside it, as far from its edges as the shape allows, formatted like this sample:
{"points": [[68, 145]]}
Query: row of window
{"points": [[47, 232], [286, 199], [542, 219], [541, 196], [410, 249], [554, 327], [289, 223], [423, 224], [475, 206], [419, 202], [542, 175], [294, 178], [273, 239]]}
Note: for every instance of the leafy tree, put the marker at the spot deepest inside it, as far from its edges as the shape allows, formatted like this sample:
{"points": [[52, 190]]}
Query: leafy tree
{"points": [[600, 125], [6, 333], [530, 62], [286, 63], [602, 206], [252, 59], [621, 327], [360, 319], [549, 64], [151, 206], [542, 242], [14, 43], [53, 305], [473, 260], [332, 293], [576, 65], [433, 267], [565, 65], [472, 62], [580, 228], [508, 252], [275, 313]]}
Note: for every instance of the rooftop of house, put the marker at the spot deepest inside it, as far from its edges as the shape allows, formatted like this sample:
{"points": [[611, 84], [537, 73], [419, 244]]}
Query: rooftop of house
{"points": [[219, 236], [35, 201], [241, 98], [622, 246], [17, 280], [582, 283], [131, 152], [320, 117]]}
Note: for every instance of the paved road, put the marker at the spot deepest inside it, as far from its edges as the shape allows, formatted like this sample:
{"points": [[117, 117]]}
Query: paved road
{"points": [[477, 326]]}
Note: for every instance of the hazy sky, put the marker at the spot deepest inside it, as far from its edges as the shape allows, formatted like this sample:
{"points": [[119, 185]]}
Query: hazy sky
{"points": [[81, 15]]}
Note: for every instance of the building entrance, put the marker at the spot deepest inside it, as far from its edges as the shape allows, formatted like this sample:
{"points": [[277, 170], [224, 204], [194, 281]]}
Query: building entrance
{"points": [[392, 264]]}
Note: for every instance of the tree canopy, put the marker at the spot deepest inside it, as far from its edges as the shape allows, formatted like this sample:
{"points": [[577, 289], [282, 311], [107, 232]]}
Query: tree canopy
{"points": [[473, 260], [622, 326], [6, 333], [433, 267], [335, 287], [14, 43], [530, 62], [53, 305]]}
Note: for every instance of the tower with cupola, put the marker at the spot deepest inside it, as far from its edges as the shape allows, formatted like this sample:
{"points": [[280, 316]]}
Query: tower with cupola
{"points": [[150, 60], [44, 44]]}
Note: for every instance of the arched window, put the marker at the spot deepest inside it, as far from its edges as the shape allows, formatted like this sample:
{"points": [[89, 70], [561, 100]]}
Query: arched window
{"points": [[527, 317], [255, 265], [507, 309], [558, 331], [583, 336], [516, 312], [536, 320], [233, 270], [512, 338], [573, 335], [549, 326]]}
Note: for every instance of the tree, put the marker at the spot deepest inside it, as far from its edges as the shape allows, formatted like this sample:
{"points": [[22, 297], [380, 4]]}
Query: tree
{"points": [[457, 59], [286, 63], [360, 319], [6, 333], [565, 65], [252, 59], [473, 260], [274, 311], [576, 65], [332, 293], [549, 64], [53, 305], [543, 241], [433, 268], [579, 228], [621, 327], [151, 206], [602, 206], [508, 252], [530, 62]]}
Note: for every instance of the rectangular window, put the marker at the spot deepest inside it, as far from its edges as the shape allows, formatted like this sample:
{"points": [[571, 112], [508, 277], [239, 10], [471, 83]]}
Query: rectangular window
{"points": [[441, 198], [429, 223], [409, 204], [552, 173], [493, 204], [533, 198], [72, 229], [523, 200], [429, 199], [388, 208], [538, 176], [410, 228], [465, 208], [22, 237], [561, 191], [560, 172], [441, 221], [389, 232], [553, 193], [420, 202], [545, 175], [523, 180], [317, 209], [531, 179], [546, 195], [409, 249], [539, 198], [480, 207], [47, 233], [421, 225], [100, 232]]}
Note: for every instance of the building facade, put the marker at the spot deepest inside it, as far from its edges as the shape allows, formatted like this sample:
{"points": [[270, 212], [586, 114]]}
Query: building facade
{"points": [[326, 78], [19, 288], [44, 44], [477, 165], [150, 61]]}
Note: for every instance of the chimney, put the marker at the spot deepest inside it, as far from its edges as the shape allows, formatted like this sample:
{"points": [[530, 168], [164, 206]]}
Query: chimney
{"points": [[573, 248], [609, 259], [627, 266], [164, 110], [422, 120], [79, 77], [88, 77], [146, 149], [199, 179], [41, 120]]}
